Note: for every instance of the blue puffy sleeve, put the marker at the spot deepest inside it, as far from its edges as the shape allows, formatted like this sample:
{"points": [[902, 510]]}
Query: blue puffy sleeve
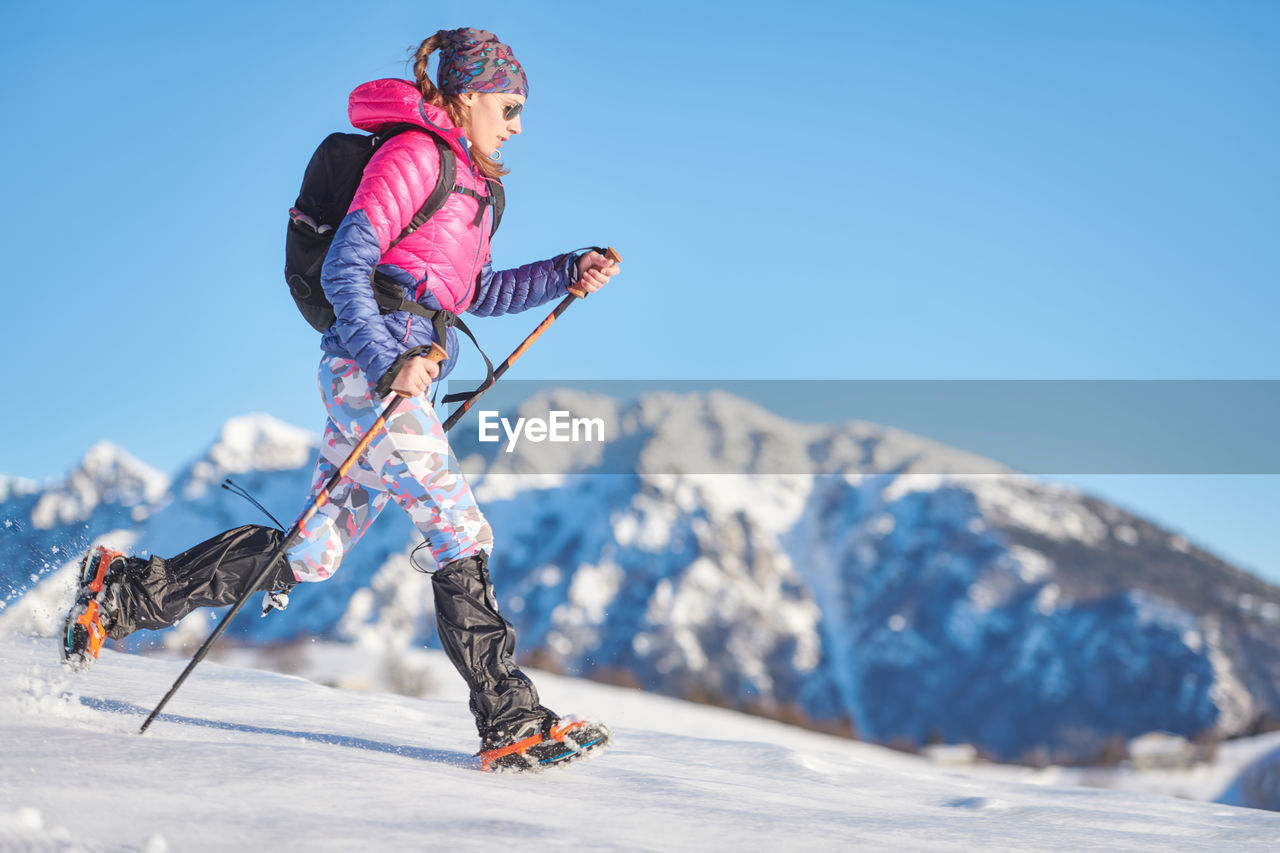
{"points": [[345, 277], [395, 183], [522, 288]]}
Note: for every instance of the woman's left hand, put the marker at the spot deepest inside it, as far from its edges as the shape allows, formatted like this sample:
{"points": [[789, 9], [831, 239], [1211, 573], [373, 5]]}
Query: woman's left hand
{"points": [[594, 271]]}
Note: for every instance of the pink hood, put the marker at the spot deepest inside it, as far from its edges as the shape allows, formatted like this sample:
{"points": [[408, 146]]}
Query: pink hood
{"points": [[383, 102]]}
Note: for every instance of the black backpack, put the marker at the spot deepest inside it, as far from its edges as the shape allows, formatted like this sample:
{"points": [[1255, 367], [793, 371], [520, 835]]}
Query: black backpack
{"points": [[328, 187]]}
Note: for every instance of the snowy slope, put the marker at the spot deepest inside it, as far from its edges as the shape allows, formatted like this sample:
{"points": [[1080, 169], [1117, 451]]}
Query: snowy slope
{"points": [[259, 761], [849, 577]]}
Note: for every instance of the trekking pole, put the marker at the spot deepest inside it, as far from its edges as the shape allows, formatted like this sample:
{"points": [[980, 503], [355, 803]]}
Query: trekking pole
{"points": [[574, 293], [437, 355]]}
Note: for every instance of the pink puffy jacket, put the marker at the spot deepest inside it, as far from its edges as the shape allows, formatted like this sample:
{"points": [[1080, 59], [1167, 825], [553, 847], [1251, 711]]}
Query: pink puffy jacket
{"points": [[443, 264]]}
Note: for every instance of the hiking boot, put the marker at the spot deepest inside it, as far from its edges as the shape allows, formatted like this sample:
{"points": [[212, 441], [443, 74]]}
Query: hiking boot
{"points": [[96, 609], [539, 744]]}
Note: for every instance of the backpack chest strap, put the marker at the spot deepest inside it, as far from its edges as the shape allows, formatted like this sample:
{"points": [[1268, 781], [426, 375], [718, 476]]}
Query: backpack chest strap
{"points": [[481, 201]]}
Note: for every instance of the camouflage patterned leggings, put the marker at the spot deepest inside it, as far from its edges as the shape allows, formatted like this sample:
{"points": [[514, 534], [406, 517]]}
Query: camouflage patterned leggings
{"points": [[409, 463]]}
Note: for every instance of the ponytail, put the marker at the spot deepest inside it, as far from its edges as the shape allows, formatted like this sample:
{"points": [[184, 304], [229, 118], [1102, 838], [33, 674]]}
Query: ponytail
{"points": [[451, 104], [421, 56]]}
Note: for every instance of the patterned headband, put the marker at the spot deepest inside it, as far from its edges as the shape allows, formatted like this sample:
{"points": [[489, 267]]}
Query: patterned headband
{"points": [[475, 61]]}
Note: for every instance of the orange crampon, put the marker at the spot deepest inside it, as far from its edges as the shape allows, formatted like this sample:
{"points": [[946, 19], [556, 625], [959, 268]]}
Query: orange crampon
{"points": [[541, 744], [88, 622]]}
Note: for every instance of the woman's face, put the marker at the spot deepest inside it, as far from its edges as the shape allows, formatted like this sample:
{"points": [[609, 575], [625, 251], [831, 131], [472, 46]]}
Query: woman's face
{"points": [[494, 118]]}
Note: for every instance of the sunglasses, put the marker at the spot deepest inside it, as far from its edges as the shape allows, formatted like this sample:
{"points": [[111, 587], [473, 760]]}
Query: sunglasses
{"points": [[510, 111]]}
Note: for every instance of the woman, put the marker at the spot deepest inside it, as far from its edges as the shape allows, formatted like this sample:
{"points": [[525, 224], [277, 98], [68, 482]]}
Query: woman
{"points": [[474, 106]]}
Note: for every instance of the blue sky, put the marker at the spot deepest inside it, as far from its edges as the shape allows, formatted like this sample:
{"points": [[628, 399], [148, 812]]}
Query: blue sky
{"points": [[859, 190]]}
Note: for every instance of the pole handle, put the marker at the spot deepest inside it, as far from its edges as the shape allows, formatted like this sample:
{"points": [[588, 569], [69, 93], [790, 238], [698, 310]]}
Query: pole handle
{"points": [[436, 354], [610, 254]]}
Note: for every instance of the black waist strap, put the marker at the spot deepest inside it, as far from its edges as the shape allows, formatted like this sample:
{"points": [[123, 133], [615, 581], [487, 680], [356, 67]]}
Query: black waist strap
{"points": [[441, 319]]}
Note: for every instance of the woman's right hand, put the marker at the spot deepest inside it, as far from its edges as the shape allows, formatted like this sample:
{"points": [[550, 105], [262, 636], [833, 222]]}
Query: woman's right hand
{"points": [[414, 377]]}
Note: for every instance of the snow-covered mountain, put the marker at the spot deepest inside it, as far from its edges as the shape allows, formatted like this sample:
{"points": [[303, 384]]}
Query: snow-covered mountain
{"points": [[852, 578]]}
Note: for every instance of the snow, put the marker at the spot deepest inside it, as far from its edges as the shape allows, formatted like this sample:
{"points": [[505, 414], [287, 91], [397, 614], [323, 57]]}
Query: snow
{"points": [[262, 443], [255, 442], [11, 487], [1032, 565], [1052, 510], [40, 611], [105, 474], [268, 761]]}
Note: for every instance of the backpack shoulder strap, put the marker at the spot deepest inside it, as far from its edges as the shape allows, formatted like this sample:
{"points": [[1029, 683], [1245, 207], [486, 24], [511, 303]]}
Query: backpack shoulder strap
{"points": [[497, 198], [440, 194]]}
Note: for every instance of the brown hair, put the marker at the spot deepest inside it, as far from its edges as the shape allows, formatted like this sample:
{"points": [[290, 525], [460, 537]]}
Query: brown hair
{"points": [[451, 104]]}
